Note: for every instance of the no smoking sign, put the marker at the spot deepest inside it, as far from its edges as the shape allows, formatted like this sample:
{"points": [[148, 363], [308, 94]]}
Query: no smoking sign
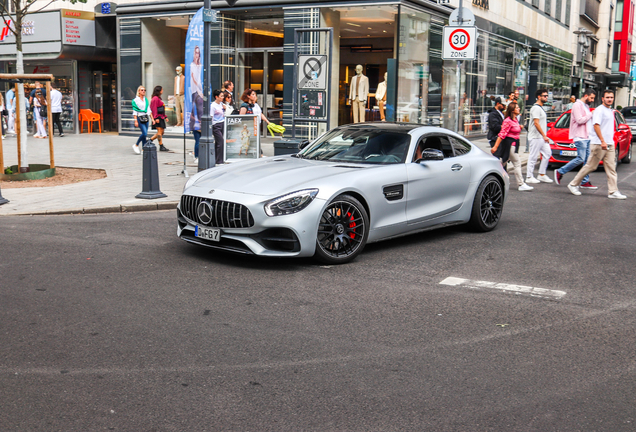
{"points": [[459, 43]]}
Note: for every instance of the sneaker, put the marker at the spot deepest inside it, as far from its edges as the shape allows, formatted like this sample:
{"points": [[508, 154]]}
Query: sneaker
{"points": [[557, 177], [524, 187], [617, 195], [532, 180], [136, 149], [544, 178], [61, 135], [163, 148], [588, 185], [196, 160], [574, 189]]}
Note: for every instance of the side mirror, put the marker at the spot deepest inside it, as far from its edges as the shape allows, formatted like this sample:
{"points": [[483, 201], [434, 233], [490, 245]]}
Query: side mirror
{"points": [[551, 124], [430, 154], [303, 144], [623, 127]]}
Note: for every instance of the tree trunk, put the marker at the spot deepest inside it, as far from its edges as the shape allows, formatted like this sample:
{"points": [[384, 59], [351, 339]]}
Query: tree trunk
{"points": [[19, 66]]}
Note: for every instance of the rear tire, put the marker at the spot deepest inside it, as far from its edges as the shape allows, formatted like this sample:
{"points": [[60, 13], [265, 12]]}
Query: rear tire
{"points": [[488, 205], [628, 157], [343, 230]]}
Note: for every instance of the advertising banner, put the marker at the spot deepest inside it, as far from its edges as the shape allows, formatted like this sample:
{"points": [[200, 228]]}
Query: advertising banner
{"points": [[193, 103], [242, 140]]}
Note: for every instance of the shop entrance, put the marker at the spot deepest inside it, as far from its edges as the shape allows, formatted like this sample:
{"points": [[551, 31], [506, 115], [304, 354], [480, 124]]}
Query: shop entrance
{"points": [[262, 71], [103, 101]]}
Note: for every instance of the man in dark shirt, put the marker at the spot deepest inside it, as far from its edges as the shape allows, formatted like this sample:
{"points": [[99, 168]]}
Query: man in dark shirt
{"points": [[495, 119]]}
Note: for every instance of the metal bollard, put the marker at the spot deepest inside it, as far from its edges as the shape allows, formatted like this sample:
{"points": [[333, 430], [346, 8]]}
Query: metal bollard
{"points": [[150, 173], [3, 200]]}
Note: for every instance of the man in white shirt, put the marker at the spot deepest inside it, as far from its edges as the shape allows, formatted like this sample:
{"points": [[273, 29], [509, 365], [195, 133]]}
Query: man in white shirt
{"points": [[56, 108], [538, 140], [602, 148], [217, 112]]}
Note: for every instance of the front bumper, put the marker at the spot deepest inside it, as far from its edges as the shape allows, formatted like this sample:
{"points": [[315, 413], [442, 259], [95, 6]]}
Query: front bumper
{"points": [[279, 236]]}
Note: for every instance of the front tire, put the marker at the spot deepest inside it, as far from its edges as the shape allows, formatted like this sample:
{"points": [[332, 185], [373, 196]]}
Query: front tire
{"points": [[488, 205], [342, 231]]}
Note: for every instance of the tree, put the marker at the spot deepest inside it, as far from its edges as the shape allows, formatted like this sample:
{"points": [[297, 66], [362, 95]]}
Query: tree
{"points": [[21, 9]]}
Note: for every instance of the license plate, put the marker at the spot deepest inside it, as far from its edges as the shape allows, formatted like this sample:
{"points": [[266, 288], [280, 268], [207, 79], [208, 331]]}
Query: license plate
{"points": [[213, 234], [568, 153]]}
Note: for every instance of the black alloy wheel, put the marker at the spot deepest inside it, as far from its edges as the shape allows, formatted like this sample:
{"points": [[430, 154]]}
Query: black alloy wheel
{"points": [[488, 205], [342, 231]]}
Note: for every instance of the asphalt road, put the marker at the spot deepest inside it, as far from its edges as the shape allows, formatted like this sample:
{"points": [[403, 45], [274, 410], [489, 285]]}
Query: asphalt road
{"points": [[109, 322]]}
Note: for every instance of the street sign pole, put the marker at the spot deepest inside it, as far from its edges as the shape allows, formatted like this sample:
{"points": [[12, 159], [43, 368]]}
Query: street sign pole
{"points": [[207, 155], [459, 74]]}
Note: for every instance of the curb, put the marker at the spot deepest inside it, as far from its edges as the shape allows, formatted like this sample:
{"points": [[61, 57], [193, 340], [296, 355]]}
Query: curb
{"points": [[133, 208]]}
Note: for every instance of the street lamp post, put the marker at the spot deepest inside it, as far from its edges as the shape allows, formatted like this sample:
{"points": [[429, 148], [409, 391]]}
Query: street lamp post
{"points": [[584, 42], [632, 57]]}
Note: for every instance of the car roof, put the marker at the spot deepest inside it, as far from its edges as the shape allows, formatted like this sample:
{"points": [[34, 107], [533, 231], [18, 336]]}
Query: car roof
{"points": [[396, 127]]}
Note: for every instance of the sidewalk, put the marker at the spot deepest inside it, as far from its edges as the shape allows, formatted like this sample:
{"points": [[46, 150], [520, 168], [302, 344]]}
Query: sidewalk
{"points": [[116, 192]]}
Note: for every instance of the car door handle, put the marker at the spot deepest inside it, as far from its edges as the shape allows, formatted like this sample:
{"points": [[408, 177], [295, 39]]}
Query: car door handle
{"points": [[456, 167]]}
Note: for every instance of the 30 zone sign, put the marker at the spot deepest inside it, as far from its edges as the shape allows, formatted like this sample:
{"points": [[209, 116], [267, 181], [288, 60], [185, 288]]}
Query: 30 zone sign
{"points": [[459, 43]]}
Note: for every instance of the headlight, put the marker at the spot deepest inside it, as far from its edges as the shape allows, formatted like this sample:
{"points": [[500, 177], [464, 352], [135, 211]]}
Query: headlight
{"points": [[290, 203]]}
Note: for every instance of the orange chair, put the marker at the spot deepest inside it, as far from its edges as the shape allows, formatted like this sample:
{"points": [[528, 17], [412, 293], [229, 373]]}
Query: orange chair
{"points": [[86, 115]]}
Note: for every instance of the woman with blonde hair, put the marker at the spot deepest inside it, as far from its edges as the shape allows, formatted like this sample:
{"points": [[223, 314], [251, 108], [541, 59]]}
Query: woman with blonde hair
{"points": [[142, 115]]}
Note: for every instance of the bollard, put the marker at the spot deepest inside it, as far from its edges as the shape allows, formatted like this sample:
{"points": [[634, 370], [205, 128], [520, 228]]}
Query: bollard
{"points": [[150, 173], [3, 200]]}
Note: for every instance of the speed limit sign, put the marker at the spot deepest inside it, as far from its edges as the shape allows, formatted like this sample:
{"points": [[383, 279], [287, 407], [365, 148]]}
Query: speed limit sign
{"points": [[459, 43]]}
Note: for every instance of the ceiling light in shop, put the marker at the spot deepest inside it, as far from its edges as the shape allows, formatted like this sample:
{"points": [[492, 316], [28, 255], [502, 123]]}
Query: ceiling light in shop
{"points": [[352, 24]]}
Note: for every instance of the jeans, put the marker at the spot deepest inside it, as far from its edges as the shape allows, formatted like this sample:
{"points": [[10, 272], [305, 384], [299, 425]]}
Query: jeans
{"points": [[582, 155], [143, 127], [197, 137]]}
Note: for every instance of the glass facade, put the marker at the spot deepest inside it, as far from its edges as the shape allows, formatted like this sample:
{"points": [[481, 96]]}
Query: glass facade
{"points": [[255, 49]]}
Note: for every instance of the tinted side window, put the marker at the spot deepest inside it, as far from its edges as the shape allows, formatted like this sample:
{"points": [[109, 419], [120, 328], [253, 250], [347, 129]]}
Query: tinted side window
{"points": [[461, 147], [434, 142]]}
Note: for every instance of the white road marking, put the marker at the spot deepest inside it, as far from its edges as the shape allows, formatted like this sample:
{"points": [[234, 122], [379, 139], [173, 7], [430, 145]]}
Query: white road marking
{"points": [[515, 289]]}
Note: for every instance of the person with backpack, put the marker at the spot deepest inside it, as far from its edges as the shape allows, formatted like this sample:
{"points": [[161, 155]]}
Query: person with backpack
{"points": [[538, 140], [142, 115]]}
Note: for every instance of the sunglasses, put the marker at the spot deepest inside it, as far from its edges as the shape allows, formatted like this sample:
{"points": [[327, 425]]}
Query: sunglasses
{"points": [[142, 90]]}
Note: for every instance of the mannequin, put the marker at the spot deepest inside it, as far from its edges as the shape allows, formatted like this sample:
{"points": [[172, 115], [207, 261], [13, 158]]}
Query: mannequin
{"points": [[380, 96], [179, 87], [358, 93]]}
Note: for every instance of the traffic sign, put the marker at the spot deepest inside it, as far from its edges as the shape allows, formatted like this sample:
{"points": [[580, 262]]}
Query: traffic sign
{"points": [[312, 72], [459, 43], [468, 18]]}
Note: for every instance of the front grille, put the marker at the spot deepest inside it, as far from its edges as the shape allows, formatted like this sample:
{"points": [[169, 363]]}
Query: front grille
{"points": [[224, 214]]}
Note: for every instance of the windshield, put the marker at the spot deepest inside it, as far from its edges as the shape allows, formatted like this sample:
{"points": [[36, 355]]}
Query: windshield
{"points": [[564, 122], [629, 113], [370, 146]]}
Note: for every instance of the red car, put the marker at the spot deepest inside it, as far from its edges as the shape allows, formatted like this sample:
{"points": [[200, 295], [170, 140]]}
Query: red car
{"points": [[563, 150]]}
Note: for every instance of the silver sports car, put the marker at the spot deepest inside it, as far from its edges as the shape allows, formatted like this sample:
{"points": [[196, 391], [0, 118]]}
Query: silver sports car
{"points": [[354, 185]]}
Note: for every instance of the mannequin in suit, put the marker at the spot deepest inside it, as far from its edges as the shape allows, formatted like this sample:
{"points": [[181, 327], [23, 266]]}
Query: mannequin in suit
{"points": [[380, 96], [358, 93], [179, 87]]}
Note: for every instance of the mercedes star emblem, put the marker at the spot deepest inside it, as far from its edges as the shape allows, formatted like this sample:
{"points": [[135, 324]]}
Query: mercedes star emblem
{"points": [[204, 212]]}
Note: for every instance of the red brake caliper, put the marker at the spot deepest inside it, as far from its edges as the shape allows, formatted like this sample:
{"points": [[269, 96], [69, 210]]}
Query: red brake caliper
{"points": [[351, 225]]}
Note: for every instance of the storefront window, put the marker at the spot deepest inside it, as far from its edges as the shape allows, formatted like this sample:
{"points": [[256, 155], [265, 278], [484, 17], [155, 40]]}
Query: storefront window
{"points": [[554, 74]]}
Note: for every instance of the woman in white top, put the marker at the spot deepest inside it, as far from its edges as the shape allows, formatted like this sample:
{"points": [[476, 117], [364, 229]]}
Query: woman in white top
{"points": [[196, 88], [39, 102], [143, 116]]}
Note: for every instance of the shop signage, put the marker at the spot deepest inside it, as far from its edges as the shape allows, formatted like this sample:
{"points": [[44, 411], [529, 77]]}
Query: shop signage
{"points": [[242, 140], [312, 72], [106, 8], [481, 3], [78, 27], [459, 43], [443, 2]]}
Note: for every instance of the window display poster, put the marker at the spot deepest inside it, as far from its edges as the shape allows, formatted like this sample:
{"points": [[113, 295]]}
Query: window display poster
{"points": [[311, 103], [242, 140], [193, 106]]}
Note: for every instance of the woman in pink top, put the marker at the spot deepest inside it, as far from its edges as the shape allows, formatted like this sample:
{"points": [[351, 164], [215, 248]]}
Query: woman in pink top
{"points": [[507, 145], [158, 109]]}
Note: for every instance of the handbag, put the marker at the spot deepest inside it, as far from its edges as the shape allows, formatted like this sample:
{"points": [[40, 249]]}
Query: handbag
{"points": [[143, 118], [161, 109], [5, 112], [43, 112]]}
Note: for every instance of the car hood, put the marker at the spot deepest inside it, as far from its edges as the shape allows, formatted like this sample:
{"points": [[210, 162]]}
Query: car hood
{"points": [[274, 176]]}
